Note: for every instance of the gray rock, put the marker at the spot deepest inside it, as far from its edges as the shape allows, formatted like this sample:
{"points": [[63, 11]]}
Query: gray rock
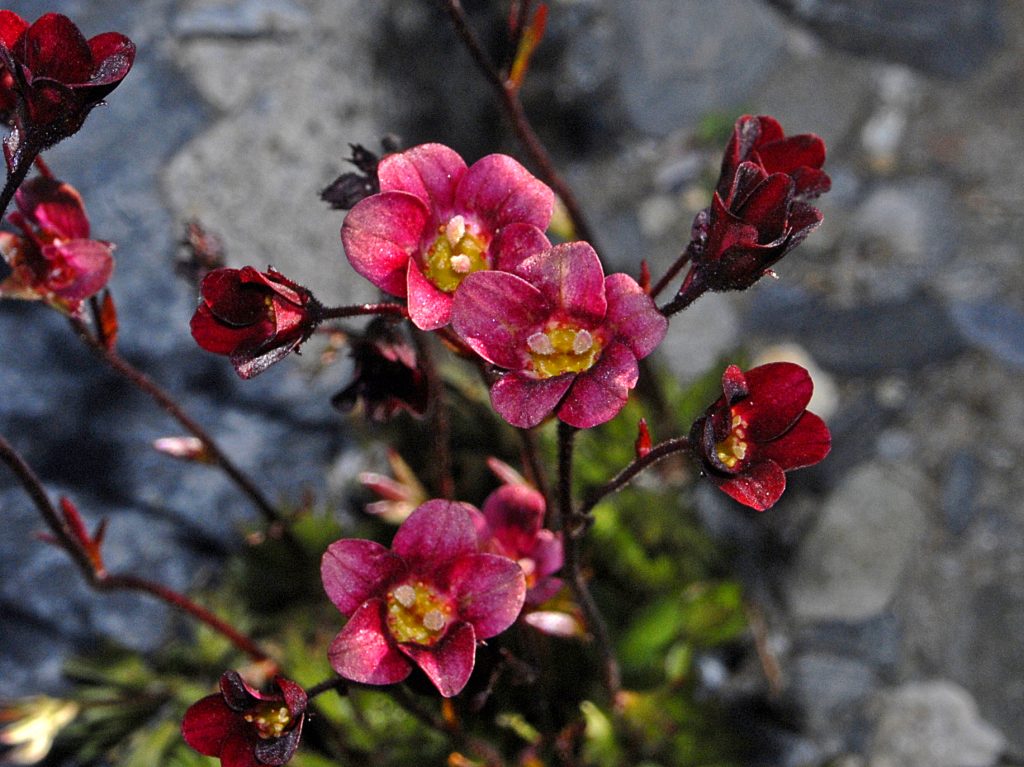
{"points": [[700, 337], [945, 37], [239, 18], [830, 690], [875, 641], [849, 566], [994, 327], [689, 57], [933, 724], [959, 491]]}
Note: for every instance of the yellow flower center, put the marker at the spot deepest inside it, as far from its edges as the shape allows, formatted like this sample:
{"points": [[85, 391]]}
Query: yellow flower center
{"points": [[733, 448], [417, 613], [563, 349], [456, 253], [271, 719]]}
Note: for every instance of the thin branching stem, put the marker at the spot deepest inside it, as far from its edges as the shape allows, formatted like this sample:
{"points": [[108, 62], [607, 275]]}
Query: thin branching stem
{"points": [[509, 96], [438, 416], [624, 477], [572, 535], [99, 579], [358, 310], [144, 383]]}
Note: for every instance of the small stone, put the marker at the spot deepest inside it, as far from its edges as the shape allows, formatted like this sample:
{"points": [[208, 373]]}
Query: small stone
{"points": [[959, 490], [850, 564], [933, 724], [991, 326]]}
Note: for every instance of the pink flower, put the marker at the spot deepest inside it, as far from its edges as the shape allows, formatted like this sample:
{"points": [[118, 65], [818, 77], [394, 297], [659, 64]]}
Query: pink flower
{"points": [[757, 431], [425, 602], [512, 524], [57, 75], [54, 261], [569, 336], [244, 728], [435, 222]]}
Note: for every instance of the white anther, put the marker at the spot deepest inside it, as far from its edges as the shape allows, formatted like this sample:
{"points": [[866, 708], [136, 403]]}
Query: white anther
{"points": [[455, 229], [405, 595], [582, 342], [461, 264], [434, 620], [539, 343]]}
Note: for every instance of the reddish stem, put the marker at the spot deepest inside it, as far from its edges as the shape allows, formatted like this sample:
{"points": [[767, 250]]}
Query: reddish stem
{"points": [[357, 310], [516, 114], [100, 580], [624, 477]]}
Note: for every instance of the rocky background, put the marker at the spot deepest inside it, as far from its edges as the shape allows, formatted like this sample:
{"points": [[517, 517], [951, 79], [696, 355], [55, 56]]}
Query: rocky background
{"points": [[891, 576]]}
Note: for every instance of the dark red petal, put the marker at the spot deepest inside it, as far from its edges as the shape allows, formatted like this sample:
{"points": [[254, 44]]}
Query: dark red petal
{"points": [[489, 591], [277, 751], [213, 335], [525, 401], [294, 696], [429, 307], [249, 363], [805, 444], [11, 28], [430, 172], [54, 48], [600, 393], [632, 315], [500, 191], [767, 207], [792, 153], [759, 487], [811, 182], [734, 385], [779, 393], [495, 313], [240, 751], [571, 278], [364, 651], [112, 56], [354, 570], [435, 534], [208, 723], [274, 282], [449, 663], [380, 233]]}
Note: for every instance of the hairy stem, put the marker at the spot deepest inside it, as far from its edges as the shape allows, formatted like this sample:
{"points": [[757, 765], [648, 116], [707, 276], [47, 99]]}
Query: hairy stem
{"points": [[509, 96], [357, 310], [624, 477], [572, 534], [21, 164], [100, 579], [146, 384]]}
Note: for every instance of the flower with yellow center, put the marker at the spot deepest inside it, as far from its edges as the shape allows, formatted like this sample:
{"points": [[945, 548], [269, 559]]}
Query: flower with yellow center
{"points": [[456, 253], [271, 719], [417, 613], [733, 448], [562, 349]]}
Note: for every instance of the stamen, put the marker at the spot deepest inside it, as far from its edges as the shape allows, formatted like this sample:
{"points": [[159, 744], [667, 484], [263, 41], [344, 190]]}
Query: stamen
{"points": [[455, 229], [540, 343], [405, 595], [461, 264], [582, 342], [434, 620]]}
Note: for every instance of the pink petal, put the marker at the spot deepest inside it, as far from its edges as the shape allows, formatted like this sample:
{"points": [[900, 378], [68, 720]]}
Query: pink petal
{"points": [[430, 172], [547, 554], [55, 207], [601, 392], [515, 514], [208, 723], [571, 277], [805, 444], [85, 267], [633, 316], [380, 234], [495, 313], [449, 663], [489, 591], [515, 243], [524, 401], [759, 487], [555, 623], [364, 651], [500, 192], [354, 570], [435, 534], [429, 307], [779, 393]]}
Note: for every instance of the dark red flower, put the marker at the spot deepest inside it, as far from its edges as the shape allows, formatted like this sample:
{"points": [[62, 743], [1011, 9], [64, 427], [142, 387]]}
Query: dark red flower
{"points": [[426, 601], [255, 318], [757, 431], [762, 141], [511, 523], [54, 261], [245, 728], [569, 336], [387, 376], [57, 75]]}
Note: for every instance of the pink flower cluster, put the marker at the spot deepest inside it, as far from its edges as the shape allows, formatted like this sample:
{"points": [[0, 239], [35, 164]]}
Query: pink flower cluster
{"points": [[466, 247]]}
